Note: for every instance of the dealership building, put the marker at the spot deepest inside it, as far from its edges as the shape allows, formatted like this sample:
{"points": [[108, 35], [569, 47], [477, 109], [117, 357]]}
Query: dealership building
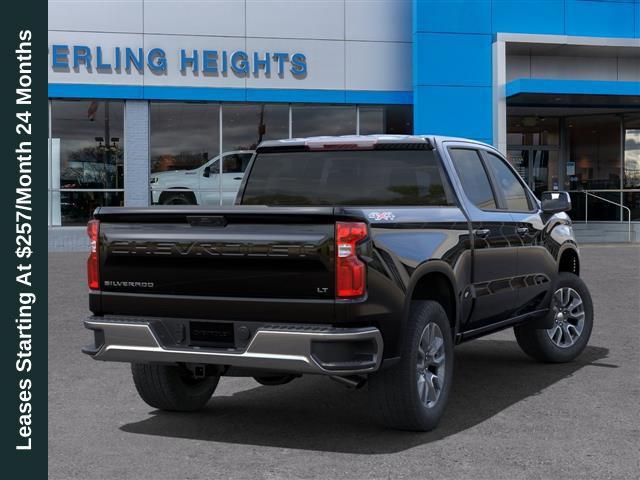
{"points": [[164, 101]]}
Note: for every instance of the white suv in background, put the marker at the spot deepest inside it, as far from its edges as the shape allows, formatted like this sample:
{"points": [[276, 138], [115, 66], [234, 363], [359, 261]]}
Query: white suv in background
{"points": [[202, 185]]}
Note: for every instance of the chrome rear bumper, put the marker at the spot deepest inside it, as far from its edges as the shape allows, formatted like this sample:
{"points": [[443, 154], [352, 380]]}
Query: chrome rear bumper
{"points": [[288, 348]]}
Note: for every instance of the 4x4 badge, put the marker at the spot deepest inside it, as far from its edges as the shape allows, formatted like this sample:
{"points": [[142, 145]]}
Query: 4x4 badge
{"points": [[381, 216]]}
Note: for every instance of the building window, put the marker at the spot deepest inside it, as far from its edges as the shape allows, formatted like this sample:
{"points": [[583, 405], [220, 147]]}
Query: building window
{"points": [[315, 120], [534, 150], [184, 136], [594, 149], [533, 130], [86, 147], [594, 160], [392, 119], [86, 168], [631, 178], [244, 126], [632, 152], [188, 139]]}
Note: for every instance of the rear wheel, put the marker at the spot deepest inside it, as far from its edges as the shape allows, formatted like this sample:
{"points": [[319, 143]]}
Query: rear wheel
{"points": [[572, 312], [412, 394], [174, 388]]}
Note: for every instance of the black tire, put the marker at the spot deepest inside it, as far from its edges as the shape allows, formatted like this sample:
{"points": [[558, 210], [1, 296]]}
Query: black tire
{"points": [[273, 380], [177, 199], [393, 391], [172, 388], [538, 344]]}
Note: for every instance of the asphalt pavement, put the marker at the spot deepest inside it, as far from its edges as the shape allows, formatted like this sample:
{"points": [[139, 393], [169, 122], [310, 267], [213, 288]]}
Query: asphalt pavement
{"points": [[508, 416]]}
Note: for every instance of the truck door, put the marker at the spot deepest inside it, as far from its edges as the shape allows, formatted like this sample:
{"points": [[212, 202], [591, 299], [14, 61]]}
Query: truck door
{"points": [[495, 240], [536, 265]]}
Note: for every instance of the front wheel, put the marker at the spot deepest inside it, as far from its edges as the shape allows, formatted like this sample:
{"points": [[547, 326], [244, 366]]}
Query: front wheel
{"points": [[572, 311], [173, 388], [412, 394]]}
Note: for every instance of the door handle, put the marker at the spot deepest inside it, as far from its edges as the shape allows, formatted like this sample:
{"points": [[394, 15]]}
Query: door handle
{"points": [[482, 232], [237, 178], [522, 230]]}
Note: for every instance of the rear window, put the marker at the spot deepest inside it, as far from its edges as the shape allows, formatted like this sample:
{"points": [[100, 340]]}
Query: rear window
{"points": [[371, 177]]}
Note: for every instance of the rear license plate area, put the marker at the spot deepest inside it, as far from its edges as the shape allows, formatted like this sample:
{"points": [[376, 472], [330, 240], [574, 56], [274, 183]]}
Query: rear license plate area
{"points": [[211, 334]]}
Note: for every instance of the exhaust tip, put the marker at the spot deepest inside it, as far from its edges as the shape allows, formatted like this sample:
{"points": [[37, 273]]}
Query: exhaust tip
{"points": [[352, 382]]}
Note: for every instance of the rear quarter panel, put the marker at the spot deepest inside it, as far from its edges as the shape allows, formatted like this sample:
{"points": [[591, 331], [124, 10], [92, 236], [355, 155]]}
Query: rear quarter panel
{"points": [[406, 242]]}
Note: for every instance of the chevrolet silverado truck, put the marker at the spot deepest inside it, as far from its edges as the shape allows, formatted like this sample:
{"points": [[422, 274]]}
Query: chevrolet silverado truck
{"points": [[361, 258]]}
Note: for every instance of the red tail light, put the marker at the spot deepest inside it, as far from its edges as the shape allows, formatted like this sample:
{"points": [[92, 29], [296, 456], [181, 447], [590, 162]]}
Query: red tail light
{"points": [[93, 263], [350, 270]]}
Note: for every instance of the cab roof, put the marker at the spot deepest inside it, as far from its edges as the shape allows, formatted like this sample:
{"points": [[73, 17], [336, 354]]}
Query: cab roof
{"points": [[359, 141]]}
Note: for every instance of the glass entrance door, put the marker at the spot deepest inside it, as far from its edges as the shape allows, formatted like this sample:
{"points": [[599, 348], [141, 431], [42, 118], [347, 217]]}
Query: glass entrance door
{"points": [[544, 171], [538, 166]]}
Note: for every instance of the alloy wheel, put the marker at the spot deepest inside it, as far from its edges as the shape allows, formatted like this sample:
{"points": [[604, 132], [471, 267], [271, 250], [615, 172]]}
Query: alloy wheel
{"points": [[430, 365], [569, 316]]}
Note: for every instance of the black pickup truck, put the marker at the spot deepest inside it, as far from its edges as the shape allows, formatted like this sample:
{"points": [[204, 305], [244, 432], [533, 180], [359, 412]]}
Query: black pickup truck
{"points": [[362, 258]]}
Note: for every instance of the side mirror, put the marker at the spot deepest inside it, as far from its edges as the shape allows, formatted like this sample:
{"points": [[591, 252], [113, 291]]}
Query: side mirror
{"points": [[555, 202], [207, 171]]}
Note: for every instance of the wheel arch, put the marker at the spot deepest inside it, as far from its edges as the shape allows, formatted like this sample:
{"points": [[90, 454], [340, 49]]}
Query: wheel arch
{"points": [[569, 259], [434, 280], [180, 191]]}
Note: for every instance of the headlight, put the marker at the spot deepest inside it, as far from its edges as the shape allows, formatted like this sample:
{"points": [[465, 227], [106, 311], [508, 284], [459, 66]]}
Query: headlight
{"points": [[153, 180]]}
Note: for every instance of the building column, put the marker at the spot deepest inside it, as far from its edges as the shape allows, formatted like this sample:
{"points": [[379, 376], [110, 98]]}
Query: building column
{"points": [[136, 153], [499, 65]]}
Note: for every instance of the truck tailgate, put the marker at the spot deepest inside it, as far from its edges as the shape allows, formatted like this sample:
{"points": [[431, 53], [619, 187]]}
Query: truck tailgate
{"points": [[213, 259]]}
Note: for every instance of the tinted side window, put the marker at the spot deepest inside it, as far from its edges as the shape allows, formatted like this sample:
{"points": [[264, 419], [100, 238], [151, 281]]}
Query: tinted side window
{"points": [[512, 189], [473, 177]]}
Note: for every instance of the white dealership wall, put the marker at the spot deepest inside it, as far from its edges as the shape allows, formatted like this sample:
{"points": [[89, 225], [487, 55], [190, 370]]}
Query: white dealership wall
{"points": [[362, 45]]}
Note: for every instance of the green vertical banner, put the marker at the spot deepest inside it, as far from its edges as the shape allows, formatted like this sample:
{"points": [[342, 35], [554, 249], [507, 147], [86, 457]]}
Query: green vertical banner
{"points": [[23, 130]]}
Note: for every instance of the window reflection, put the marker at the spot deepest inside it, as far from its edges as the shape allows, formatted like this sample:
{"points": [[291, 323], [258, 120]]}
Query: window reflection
{"points": [[88, 140], [76, 208], [184, 136], [233, 168], [594, 149], [632, 155], [473, 177], [314, 120], [392, 119], [325, 178], [86, 153], [509, 184], [185, 141], [632, 201], [372, 120], [533, 130], [236, 162], [244, 126]]}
